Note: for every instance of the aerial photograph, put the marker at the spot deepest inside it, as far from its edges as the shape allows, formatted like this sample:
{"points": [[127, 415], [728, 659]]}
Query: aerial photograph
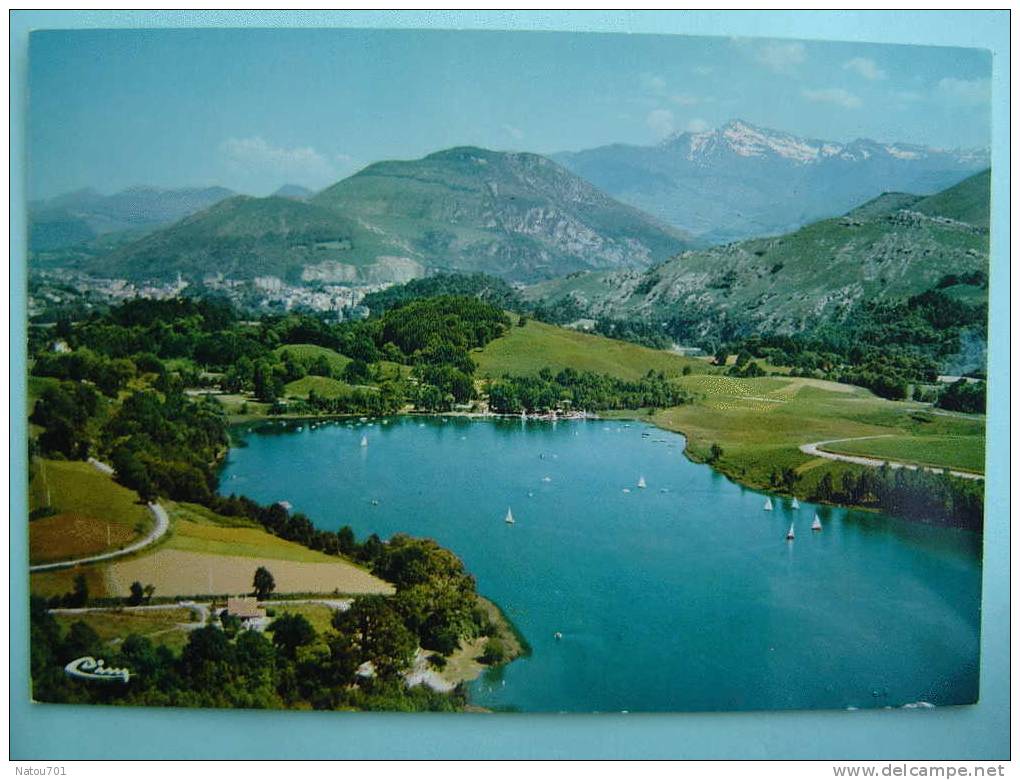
{"points": [[504, 372]]}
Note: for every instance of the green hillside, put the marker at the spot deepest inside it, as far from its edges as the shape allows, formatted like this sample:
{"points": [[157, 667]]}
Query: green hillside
{"points": [[969, 201], [518, 216], [246, 237], [536, 346], [894, 246]]}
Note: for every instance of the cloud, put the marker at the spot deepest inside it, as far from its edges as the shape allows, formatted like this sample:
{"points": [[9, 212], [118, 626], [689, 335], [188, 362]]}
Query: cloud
{"points": [[780, 57], [834, 95], [862, 66], [966, 91], [514, 132], [661, 122], [683, 99], [652, 82], [909, 96], [300, 164], [697, 125], [703, 70]]}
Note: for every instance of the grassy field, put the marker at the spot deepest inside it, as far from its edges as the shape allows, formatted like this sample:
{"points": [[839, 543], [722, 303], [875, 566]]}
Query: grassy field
{"points": [[196, 529], [319, 615], [761, 423], [206, 553], [537, 345], [91, 512], [966, 453], [309, 352], [323, 386], [162, 626], [183, 573]]}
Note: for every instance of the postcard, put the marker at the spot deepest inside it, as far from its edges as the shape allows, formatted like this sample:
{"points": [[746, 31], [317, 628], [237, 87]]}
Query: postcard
{"points": [[481, 371]]}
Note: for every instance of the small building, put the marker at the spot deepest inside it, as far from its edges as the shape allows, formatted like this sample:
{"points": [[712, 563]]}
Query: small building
{"points": [[247, 610]]}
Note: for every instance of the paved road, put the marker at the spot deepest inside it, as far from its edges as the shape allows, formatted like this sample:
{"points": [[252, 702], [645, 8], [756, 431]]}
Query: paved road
{"points": [[815, 449], [162, 526]]}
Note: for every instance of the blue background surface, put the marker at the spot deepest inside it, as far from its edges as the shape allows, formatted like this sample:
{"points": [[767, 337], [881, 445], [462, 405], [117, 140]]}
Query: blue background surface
{"points": [[980, 731]]}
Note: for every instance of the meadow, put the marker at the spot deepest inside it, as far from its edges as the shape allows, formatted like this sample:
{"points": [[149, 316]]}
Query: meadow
{"points": [[527, 350]]}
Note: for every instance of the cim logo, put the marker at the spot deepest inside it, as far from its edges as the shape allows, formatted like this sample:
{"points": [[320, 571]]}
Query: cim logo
{"points": [[88, 668]]}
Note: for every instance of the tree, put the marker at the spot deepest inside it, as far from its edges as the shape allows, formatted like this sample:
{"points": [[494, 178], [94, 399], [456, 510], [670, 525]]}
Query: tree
{"points": [[150, 590], [137, 593], [79, 597], [372, 631], [715, 452], [265, 382], [264, 584], [291, 631]]}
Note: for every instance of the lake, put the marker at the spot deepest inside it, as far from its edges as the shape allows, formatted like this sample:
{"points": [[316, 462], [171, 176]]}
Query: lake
{"points": [[684, 595]]}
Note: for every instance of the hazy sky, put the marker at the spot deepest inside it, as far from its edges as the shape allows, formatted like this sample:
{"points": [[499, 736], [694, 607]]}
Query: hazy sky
{"points": [[254, 109]]}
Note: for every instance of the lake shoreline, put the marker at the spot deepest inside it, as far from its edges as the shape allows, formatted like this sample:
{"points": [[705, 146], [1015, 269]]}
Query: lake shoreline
{"points": [[737, 478]]}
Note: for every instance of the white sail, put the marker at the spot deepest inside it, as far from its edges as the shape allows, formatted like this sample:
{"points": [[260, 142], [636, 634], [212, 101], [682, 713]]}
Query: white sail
{"points": [[641, 483], [509, 516], [789, 534], [817, 524], [795, 504], [768, 504], [364, 441]]}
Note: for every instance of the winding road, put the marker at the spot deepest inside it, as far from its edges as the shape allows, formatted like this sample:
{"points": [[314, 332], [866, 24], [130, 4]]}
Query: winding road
{"points": [[162, 526], [815, 449]]}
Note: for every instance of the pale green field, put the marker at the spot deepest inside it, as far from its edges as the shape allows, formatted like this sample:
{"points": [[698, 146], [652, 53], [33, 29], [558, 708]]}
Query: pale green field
{"points": [[319, 615], [536, 346], [966, 453], [196, 529]]}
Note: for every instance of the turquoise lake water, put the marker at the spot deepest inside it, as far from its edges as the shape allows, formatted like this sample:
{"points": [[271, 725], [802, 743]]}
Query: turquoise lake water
{"points": [[684, 595]]}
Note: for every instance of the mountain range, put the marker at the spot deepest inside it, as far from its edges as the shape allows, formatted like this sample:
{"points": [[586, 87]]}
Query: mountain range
{"points": [[893, 246], [516, 215], [84, 215], [740, 181]]}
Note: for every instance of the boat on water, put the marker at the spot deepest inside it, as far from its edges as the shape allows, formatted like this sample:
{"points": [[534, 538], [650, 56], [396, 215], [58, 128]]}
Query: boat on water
{"points": [[364, 441], [789, 534], [641, 483], [768, 505], [509, 519], [817, 524], [795, 504]]}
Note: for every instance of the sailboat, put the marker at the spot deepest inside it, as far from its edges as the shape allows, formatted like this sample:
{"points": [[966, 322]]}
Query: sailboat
{"points": [[795, 504], [641, 483], [768, 505], [789, 534], [509, 517], [364, 441], [817, 524]]}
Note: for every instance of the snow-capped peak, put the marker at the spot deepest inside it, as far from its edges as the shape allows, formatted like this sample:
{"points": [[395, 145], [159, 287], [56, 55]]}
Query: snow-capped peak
{"points": [[747, 140]]}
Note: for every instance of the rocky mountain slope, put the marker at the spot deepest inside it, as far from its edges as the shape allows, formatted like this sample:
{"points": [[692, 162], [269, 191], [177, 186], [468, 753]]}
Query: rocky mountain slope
{"points": [[893, 246]]}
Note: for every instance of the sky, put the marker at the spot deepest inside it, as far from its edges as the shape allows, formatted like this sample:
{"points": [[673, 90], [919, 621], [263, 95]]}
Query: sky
{"points": [[255, 109]]}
